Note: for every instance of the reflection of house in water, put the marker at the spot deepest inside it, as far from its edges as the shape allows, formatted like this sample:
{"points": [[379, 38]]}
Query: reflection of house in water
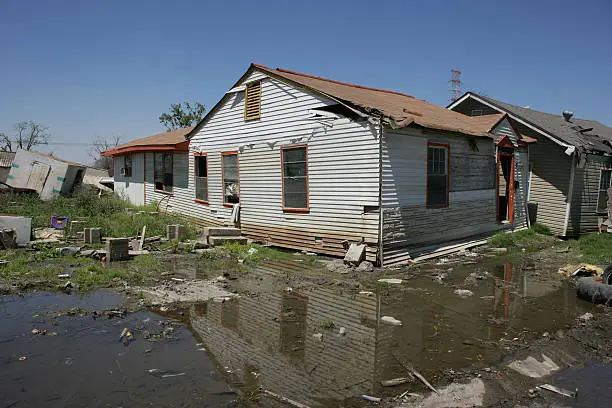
{"points": [[273, 335]]}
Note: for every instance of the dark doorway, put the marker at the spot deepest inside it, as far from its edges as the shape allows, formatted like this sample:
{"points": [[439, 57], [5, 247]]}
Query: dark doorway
{"points": [[505, 187]]}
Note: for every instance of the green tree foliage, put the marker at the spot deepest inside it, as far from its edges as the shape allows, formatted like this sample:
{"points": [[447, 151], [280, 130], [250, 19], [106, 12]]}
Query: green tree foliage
{"points": [[182, 115]]}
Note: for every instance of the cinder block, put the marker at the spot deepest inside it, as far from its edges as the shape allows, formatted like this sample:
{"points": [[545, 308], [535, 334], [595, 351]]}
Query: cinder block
{"points": [[222, 232], [355, 254], [117, 249], [175, 232], [92, 235]]}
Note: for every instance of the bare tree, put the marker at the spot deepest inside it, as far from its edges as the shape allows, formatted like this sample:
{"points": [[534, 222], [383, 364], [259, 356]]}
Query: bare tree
{"points": [[100, 145], [28, 134]]}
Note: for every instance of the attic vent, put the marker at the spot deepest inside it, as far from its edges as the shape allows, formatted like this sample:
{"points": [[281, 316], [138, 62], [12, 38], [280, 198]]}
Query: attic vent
{"points": [[252, 101]]}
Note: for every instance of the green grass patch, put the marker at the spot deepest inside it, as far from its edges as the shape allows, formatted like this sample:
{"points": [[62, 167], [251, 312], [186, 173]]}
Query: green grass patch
{"points": [[596, 248], [541, 229], [107, 212], [528, 239], [252, 254]]}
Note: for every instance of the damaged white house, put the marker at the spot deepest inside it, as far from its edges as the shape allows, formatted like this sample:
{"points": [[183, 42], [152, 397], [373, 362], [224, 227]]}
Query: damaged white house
{"points": [[304, 162]]}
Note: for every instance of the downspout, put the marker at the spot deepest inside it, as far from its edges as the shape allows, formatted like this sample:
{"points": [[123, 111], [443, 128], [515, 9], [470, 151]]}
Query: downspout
{"points": [[570, 193], [380, 189]]}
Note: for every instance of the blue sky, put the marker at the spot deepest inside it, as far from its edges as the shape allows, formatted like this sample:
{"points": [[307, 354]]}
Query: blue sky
{"points": [[103, 68]]}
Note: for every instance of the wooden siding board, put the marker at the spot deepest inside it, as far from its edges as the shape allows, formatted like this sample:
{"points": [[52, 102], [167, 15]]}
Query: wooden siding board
{"points": [[583, 211], [408, 224], [549, 183]]}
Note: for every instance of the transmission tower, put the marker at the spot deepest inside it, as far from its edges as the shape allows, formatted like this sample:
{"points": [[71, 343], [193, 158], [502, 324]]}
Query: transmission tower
{"points": [[455, 88]]}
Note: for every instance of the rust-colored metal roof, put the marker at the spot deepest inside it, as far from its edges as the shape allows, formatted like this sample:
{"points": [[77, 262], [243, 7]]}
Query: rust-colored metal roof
{"points": [[399, 109], [172, 140]]}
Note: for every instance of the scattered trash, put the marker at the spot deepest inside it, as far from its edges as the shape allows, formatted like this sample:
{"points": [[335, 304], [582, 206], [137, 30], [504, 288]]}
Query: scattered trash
{"points": [[530, 367], [147, 351], [586, 317], [68, 251], [366, 293], [414, 372], [39, 332], [308, 253], [318, 336], [342, 331], [285, 399], [126, 336], [364, 267], [59, 222], [497, 250], [158, 372], [559, 391], [178, 279], [391, 320], [370, 398], [463, 293], [395, 381], [63, 275], [252, 251], [582, 269], [22, 358], [391, 281]]}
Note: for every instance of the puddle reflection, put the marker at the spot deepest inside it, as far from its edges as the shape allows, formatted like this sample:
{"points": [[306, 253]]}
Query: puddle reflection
{"points": [[326, 344]]}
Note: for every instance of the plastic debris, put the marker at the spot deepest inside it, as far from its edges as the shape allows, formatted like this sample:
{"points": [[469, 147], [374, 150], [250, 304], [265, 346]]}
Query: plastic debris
{"points": [[391, 281], [126, 336], [252, 251], [463, 293], [158, 372], [370, 398], [391, 320]]}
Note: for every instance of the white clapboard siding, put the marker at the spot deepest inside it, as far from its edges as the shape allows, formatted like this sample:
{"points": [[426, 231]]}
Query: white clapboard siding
{"points": [[130, 188], [549, 183], [342, 172], [410, 228]]}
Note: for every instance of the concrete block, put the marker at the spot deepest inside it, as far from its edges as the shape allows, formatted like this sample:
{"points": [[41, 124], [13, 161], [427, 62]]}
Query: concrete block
{"points": [[92, 235], [222, 232], [355, 254], [215, 241], [175, 232], [117, 249], [21, 225]]}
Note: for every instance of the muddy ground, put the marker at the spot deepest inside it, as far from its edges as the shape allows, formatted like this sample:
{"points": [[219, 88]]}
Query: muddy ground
{"points": [[321, 339]]}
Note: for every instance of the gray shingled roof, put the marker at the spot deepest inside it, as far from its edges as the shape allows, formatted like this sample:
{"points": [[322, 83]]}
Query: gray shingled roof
{"points": [[600, 138]]}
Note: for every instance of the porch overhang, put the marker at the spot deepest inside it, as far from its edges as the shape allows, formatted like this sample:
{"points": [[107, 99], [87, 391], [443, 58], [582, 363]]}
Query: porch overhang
{"points": [[180, 147]]}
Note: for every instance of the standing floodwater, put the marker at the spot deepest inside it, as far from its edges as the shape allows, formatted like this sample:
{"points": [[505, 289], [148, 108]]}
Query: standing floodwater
{"points": [[54, 353]]}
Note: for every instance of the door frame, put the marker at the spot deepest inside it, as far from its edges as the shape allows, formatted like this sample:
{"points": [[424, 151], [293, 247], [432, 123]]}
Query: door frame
{"points": [[510, 183]]}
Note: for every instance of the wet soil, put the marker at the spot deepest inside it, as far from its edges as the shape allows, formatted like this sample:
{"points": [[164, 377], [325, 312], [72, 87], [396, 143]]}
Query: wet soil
{"points": [[323, 339]]}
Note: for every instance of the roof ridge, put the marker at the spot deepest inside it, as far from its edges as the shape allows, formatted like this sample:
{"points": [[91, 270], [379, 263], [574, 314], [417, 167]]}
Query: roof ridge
{"points": [[337, 82]]}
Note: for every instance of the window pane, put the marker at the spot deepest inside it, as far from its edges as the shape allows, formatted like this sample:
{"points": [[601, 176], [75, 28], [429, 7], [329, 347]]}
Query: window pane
{"points": [[158, 169], [294, 154], [230, 160], [295, 185], [605, 180], [200, 166], [201, 188], [295, 200], [294, 169], [436, 191]]}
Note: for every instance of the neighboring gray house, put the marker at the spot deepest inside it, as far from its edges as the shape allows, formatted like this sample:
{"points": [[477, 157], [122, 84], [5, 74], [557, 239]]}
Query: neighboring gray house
{"points": [[6, 160], [45, 174], [570, 165]]}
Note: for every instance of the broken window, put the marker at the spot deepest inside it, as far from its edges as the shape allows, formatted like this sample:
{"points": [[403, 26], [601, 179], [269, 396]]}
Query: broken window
{"points": [[295, 177], [162, 172], [252, 101], [231, 188], [127, 165], [201, 177], [602, 197], [437, 175]]}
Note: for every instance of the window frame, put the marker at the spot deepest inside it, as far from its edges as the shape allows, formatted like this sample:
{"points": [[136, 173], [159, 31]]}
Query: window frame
{"points": [[599, 190], [282, 168], [248, 118], [195, 178], [163, 190], [235, 152], [446, 147]]}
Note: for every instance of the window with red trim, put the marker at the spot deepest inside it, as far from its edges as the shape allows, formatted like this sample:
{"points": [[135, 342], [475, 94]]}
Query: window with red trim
{"points": [[201, 177], [162, 172], [127, 165], [231, 189], [295, 177], [437, 176]]}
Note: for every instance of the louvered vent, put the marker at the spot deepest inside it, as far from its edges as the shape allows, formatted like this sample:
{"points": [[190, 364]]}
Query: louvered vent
{"points": [[252, 104]]}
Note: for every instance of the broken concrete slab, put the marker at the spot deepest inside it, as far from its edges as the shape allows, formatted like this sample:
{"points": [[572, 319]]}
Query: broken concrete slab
{"points": [[455, 395], [391, 320], [221, 232], [21, 225], [48, 233], [355, 254], [215, 241], [463, 293], [530, 367]]}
